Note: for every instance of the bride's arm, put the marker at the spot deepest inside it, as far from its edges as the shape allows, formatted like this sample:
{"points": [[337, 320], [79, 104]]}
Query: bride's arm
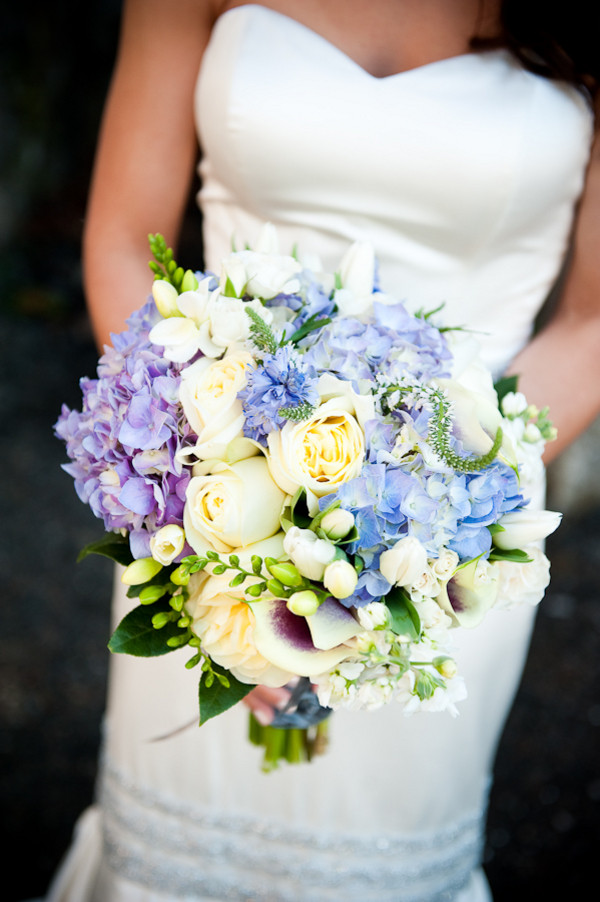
{"points": [[561, 366], [146, 154]]}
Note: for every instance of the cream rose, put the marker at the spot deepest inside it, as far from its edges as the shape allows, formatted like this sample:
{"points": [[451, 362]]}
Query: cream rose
{"points": [[231, 505], [319, 453], [225, 624], [208, 394]]}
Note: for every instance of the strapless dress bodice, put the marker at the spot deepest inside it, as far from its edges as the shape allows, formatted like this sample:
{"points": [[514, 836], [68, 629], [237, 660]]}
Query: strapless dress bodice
{"points": [[463, 173]]}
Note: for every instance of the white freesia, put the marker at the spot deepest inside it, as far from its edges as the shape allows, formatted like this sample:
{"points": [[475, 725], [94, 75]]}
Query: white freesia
{"points": [[229, 322], [167, 543], [405, 562], [522, 527], [178, 336], [259, 275], [231, 506], [308, 552], [165, 297], [208, 394], [340, 578]]}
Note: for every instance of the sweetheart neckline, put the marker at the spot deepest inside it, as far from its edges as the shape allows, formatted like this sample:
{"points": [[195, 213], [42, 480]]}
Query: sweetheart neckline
{"points": [[345, 57]]}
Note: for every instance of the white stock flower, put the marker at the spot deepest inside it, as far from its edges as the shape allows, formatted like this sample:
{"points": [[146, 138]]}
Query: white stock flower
{"points": [[522, 527], [208, 394], [373, 616], [231, 506], [308, 552], [513, 404], [167, 543], [405, 562]]}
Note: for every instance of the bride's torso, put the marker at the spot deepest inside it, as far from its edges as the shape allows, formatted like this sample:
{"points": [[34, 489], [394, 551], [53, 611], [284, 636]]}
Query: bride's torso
{"points": [[462, 172]]}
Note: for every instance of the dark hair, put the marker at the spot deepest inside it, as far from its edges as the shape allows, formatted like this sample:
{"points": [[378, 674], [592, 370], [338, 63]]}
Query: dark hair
{"points": [[557, 40]]}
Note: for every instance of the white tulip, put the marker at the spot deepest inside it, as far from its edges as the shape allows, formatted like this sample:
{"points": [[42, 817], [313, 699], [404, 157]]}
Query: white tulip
{"points": [[308, 552], [523, 527], [405, 562], [337, 523], [340, 578]]}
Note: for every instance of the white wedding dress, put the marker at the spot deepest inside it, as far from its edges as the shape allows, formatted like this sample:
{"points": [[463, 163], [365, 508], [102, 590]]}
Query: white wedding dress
{"points": [[464, 174]]}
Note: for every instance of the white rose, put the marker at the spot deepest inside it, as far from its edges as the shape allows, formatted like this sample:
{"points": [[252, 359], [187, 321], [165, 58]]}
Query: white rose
{"points": [[167, 543], [232, 506], [522, 527], [405, 562], [426, 584], [445, 564], [309, 553], [225, 624], [319, 453], [208, 394], [523, 583], [340, 578]]}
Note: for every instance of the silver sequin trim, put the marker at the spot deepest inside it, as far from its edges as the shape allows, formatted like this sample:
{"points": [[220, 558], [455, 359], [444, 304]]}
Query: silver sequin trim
{"points": [[190, 853]]}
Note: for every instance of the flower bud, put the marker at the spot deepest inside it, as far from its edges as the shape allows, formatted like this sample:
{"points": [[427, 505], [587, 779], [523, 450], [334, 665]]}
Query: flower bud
{"points": [[285, 573], [337, 523], [340, 578], [165, 297], [180, 576], [151, 594], [167, 543], [445, 666], [405, 562], [189, 281], [140, 571], [276, 588], [522, 527], [303, 603]]}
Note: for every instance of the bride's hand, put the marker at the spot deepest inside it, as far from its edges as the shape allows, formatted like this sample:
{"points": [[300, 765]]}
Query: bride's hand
{"points": [[262, 700]]}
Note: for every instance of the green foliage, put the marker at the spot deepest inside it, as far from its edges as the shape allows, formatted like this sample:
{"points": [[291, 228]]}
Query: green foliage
{"points": [[262, 334], [138, 635], [404, 619], [505, 385], [164, 266], [218, 691], [112, 545]]}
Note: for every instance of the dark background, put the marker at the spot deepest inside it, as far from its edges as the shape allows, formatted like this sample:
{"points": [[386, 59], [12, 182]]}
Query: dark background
{"points": [[544, 816]]}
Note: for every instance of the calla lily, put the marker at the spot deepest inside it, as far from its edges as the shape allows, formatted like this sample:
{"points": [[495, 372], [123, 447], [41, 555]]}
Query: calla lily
{"points": [[286, 640], [470, 593]]}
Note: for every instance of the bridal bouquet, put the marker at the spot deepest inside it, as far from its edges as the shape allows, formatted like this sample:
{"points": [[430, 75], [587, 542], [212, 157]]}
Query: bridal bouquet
{"points": [[307, 484]]}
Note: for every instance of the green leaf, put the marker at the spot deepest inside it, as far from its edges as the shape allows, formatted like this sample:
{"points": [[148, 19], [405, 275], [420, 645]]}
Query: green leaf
{"points": [[299, 510], [215, 699], [404, 618], [112, 545], [511, 554], [135, 634], [316, 321], [505, 385]]}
